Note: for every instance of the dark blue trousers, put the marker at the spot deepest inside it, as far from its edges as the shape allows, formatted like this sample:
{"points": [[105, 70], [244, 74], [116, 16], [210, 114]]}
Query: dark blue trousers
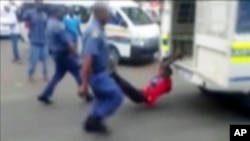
{"points": [[108, 95], [38, 53], [14, 40], [63, 65]]}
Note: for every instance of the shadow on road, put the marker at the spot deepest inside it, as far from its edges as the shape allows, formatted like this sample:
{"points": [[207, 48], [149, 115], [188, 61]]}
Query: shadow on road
{"points": [[232, 102], [213, 106]]}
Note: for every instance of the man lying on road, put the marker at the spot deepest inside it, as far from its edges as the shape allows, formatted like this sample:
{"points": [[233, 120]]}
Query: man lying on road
{"points": [[158, 86]]}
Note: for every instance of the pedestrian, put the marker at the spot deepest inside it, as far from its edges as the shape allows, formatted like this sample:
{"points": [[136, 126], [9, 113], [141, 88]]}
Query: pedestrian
{"points": [[15, 31], [36, 19], [72, 24], [108, 95], [63, 52]]}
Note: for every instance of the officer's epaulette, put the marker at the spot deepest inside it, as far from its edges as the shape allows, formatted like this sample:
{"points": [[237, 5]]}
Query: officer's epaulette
{"points": [[95, 33]]}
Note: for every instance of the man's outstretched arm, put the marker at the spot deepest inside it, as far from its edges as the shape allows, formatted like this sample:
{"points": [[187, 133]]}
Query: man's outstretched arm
{"points": [[169, 60]]}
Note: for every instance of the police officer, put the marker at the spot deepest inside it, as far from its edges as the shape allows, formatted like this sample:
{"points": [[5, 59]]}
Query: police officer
{"points": [[36, 20], [63, 52], [108, 96]]}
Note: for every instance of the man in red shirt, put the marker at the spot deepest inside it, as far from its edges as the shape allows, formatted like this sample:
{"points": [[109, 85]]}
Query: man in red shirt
{"points": [[159, 85]]}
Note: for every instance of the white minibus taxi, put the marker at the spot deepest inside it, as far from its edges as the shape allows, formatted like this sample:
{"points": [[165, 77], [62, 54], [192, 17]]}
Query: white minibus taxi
{"points": [[132, 35]]}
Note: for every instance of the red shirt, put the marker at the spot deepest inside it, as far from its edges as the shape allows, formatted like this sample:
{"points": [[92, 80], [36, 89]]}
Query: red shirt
{"points": [[152, 92]]}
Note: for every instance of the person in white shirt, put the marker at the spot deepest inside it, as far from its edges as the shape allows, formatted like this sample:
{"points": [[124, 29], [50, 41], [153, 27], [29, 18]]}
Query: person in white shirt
{"points": [[15, 31]]}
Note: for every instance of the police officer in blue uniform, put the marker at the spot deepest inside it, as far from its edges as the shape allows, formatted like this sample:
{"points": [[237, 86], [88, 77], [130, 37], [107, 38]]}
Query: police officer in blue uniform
{"points": [[63, 52], [37, 20], [108, 95]]}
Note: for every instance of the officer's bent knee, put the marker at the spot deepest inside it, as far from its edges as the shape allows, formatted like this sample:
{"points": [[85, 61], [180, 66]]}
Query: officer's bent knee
{"points": [[119, 98]]}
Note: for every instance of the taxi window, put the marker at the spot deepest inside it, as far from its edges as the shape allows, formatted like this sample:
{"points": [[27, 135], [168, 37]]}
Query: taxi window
{"points": [[116, 19], [137, 16], [243, 20], [83, 13]]}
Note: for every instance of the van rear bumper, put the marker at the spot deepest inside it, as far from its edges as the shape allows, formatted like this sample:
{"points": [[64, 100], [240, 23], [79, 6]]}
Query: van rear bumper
{"points": [[196, 78], [143, 53]]}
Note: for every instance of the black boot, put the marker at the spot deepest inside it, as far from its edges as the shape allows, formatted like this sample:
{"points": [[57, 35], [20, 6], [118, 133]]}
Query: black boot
{"points": [[44, 100], [95, 125]]}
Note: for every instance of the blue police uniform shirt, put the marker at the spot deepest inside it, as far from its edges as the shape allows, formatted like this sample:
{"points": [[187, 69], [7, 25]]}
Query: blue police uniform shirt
{"points": [[94, 43], [37, 24], [57, 36], [72, 25]]}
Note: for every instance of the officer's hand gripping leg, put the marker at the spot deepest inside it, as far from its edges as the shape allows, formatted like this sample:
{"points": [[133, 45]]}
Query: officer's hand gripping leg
{"points": [[74, 70]]}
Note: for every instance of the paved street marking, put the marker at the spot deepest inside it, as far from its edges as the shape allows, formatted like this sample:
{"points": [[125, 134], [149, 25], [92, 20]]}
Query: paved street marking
{"points": [[15, 97], [19, 85]]}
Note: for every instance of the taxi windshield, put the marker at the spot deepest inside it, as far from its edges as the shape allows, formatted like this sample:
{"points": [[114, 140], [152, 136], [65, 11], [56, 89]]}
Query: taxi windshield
{"points": [[137, 15]]}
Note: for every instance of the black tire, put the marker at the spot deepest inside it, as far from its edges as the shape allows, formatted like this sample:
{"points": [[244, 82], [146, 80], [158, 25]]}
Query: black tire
{"points": [[246, 101], [243, 99], [115, 55], [203, 90]]}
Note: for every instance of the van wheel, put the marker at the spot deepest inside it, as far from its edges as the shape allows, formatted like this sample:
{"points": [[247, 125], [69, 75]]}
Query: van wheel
{"points": [[204, 90], [115, 55], [247, 101], [243, 99]]}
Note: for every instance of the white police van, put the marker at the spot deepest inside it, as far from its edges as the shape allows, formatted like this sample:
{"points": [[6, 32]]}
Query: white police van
{"points": [[131, 33], [214, 37]]}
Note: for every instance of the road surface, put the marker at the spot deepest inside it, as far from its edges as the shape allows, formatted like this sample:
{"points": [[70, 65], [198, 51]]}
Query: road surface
{"points": [[184, 115]]}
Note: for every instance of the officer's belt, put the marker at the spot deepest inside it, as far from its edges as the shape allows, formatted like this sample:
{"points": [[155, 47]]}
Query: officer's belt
{"points": [[60, 53], [97, 71]]}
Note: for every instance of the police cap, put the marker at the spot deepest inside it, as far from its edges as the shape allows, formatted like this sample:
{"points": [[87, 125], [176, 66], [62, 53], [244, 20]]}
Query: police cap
{"points": [[100, 6]]}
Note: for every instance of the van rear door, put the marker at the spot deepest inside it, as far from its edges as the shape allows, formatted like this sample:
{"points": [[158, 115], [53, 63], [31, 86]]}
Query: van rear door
{"points": [[212, 41]]}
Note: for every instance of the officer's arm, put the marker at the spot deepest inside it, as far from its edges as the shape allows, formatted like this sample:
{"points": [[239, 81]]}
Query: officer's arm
{"points": [[169, 60], [26, 15], [66, 38], [86, 70], [65, 22], [79, 30], [26, 18], [79, 26], [90, 49], [47, 18]]}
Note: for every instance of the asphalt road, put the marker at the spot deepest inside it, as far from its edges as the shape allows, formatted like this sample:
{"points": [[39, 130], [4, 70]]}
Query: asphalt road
{"points": [[184, 115]]}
